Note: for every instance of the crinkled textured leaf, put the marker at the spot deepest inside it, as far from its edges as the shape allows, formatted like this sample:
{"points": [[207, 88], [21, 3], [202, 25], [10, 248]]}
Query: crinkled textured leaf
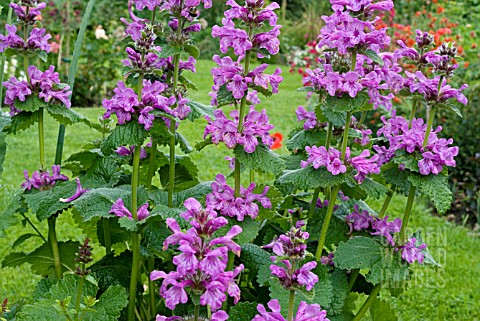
{"points": [[66, 116], [243, 311], [21, 122], [132, 133], [382, 311], [301, 138], [257, 260], [9, 204], [186, 173], [436, 188], [41, 259], [98, 202], [310, 178], [358, 253], [262, 159], [47, 203], [199, 110]]}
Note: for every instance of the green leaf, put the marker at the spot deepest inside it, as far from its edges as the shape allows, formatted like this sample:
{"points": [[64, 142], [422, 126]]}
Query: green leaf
{"points": [[47, 203], [41, 259], [382, 311], [262, 159], [66, 116], [373, 55], [31, 104], [358, 253], [98, 202], [257, 260], [22, 238], [243, 311], [169, 50], [301, 138], [192, 50], [199, 110], [9, 204], [186, 173], [21, 122], [310, 178], [436, 188], [132, 133]]}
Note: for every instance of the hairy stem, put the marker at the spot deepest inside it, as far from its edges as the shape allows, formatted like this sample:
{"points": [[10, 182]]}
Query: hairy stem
{"points": [[387, 201], [326, 222], [368, 303], [408, 211], [291, 305], [52, 237], [107, 236], [78, 299]]}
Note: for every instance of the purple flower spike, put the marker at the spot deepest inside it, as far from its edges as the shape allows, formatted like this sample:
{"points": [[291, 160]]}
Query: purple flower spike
{"points": [[79, 192]]}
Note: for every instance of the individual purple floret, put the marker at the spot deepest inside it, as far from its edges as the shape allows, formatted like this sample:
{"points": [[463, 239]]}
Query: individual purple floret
{"points": [[201, 264], [255, 126], [79, 192], [43, 180], [119, 210], [305, 312], [412, 252], [224, 201]]}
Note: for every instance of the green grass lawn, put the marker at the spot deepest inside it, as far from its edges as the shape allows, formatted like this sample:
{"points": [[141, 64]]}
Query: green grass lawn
{"points": [[452, 291]]}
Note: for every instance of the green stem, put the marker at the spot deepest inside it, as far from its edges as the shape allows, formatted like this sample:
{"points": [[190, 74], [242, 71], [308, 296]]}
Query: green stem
{"points": [[353, 278], [35, 228], [408, 211], [107, 236], [78, 299], [387, 201], [52, 237], [196, 313], [313, 203], [368, 303], [135, 237], [329, 135], [345, 135], [326, 222], [41, 139], [429, 125], [291, 305]]}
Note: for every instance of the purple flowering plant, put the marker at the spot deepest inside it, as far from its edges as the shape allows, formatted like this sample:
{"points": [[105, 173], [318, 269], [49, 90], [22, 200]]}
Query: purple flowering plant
{"points": [[180, 249]]}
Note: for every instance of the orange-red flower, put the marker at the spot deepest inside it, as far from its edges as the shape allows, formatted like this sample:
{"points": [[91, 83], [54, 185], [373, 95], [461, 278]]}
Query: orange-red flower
{"points": [[277, 140]]}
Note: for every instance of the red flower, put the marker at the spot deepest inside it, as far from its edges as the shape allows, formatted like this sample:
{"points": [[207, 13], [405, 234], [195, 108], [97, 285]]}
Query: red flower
{"points": [[277, 140]]}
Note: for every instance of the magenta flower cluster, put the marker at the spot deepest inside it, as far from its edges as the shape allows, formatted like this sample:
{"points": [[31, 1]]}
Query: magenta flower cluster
{"points": [[332, 160], [126, 105], [305, 312], [436, 154], [223, 200], [119, 210], [231, 74], [290, 249], [201, 264], [45, 85], [255, 126], [43, 180]]}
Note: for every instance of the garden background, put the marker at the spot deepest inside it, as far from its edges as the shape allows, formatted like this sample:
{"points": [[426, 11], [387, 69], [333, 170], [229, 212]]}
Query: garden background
{"points": [[451, 291]]}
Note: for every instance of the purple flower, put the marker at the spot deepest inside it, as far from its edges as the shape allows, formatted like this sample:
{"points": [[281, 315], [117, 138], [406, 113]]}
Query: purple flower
{"points": [[119, 210], [305, 312], [43, 180], [79, 192], [412, 252]]}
